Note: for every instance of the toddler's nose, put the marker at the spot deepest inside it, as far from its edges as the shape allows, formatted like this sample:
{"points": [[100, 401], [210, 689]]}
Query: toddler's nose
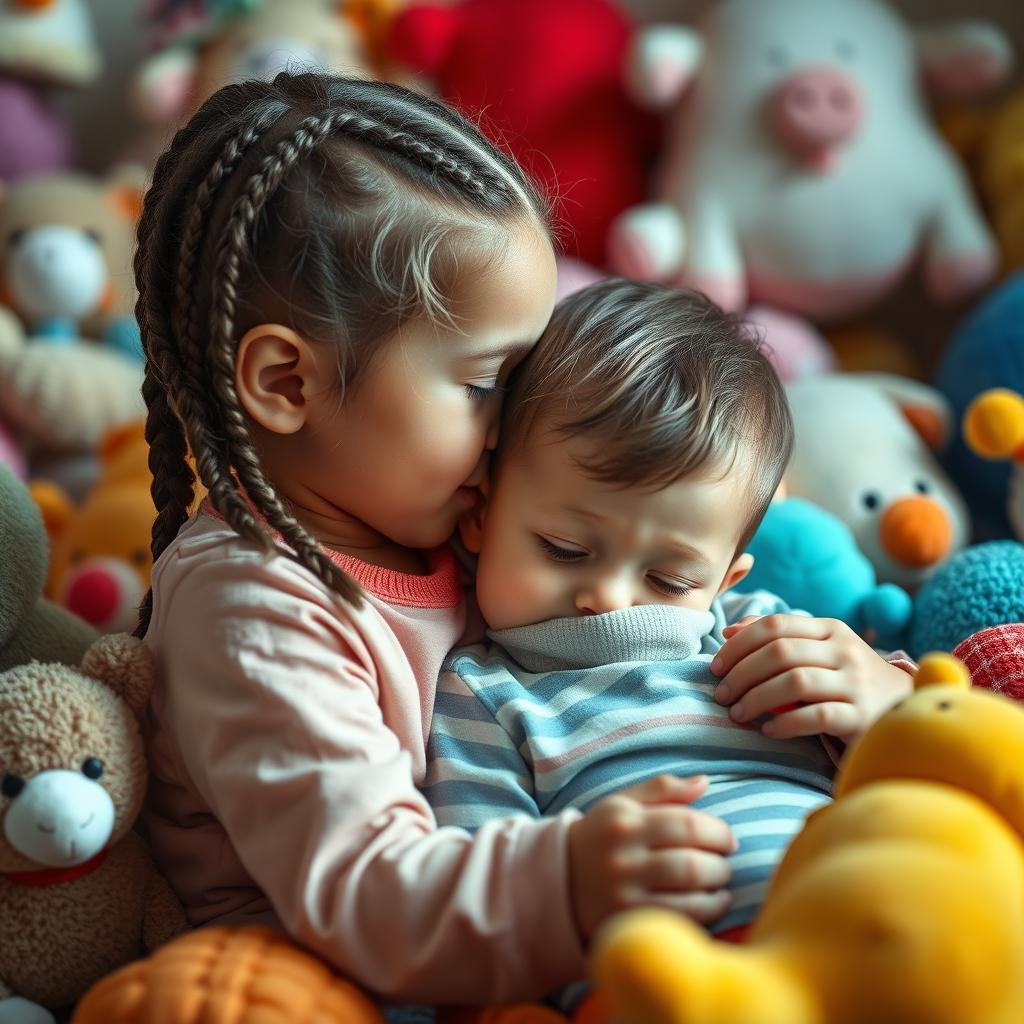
{"points": [[604, 596]]}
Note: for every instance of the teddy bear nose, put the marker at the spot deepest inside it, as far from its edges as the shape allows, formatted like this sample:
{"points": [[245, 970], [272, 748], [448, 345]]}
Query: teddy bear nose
{"points": [[916, 531]]}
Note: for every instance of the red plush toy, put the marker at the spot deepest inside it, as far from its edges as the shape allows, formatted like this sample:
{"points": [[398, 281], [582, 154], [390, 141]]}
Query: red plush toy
{"points": [[995, 659], [547, 81]]}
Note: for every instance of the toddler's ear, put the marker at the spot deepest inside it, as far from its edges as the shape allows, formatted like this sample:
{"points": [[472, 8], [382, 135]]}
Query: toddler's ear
{"points": [[471, 527], [738, 571]]}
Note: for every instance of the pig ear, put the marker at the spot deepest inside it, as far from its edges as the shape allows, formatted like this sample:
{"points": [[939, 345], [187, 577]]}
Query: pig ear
{"points": [[962, 59], [662, 62], [924, 408]]}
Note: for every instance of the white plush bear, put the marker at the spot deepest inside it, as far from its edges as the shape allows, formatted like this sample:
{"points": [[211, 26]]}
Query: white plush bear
{"points": [[863, 452], [802, 170]]}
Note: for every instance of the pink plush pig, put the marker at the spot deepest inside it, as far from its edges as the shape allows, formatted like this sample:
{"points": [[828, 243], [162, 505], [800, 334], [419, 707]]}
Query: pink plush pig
{"points": [[802, 169]]}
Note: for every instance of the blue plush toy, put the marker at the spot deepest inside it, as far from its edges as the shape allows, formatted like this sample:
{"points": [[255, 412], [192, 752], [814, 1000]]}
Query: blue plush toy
{"points": [[987, 351], [810, 559], [981, 586]]}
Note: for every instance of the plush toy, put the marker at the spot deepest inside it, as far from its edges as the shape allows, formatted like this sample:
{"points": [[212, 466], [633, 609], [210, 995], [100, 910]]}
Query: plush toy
{"points": [[809, 558], [238, 39], [79, 895], [217, 975], [901, 901], [101, 560], [995, 659], [994, 429], [30, 626], [864, 453], [66, 244], [64, 398], [43, 44], [545, 80], [981, 586], [801, 170], [986, 351]]}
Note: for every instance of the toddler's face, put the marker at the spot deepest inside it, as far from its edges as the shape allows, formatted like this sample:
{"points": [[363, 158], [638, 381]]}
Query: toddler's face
{"points": [[556, 543]]}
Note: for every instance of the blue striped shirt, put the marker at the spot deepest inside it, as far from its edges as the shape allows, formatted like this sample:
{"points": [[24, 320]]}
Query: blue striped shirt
{"points": [[562, 713]]}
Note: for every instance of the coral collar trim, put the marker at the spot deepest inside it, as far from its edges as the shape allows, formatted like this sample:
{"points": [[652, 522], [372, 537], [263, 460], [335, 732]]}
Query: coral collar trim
{"points": [[55, 876]]}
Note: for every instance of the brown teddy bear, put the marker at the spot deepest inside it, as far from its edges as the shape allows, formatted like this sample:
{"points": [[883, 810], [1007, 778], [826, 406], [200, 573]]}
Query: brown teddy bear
{"points": [[79, 895]]}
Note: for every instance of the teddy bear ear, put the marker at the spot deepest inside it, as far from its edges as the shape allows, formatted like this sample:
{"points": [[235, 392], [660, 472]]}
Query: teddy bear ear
{"points": [[125, 664], [422, 36], [923, 407]]}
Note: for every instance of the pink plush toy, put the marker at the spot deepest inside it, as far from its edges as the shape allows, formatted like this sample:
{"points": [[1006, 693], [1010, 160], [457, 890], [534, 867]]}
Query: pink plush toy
{"points": [[803, 171]]}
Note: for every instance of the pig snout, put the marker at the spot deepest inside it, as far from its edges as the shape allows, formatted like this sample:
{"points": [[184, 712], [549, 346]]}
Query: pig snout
{"points": [[815, 111]]}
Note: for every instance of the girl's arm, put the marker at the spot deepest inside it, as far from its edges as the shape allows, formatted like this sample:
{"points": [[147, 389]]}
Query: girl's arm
{"points": [[277, 710]]}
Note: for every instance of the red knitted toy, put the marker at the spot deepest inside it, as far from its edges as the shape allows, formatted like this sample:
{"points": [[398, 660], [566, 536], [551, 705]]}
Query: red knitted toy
{"points": [[995, 659], [547, 79]]}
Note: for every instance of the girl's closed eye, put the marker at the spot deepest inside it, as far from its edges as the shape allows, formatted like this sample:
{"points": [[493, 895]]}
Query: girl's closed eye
{"points": [[484, 390], [560, 552], [670, 586]]}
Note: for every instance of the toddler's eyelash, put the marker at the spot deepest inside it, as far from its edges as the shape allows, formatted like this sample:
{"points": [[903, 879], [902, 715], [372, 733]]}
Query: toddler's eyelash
{"points": [[671, 589], [476, 391], [560, 554]]}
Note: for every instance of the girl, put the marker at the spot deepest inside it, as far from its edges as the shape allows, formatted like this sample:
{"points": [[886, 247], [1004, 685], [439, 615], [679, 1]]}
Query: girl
{"points": [[335, 279]]}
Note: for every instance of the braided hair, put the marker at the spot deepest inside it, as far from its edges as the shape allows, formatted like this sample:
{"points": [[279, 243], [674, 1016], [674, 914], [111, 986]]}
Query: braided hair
{"points": [[330, 201]]}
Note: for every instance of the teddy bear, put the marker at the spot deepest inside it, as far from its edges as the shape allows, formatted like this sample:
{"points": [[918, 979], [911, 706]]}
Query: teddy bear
{"points": [[79, 894], [902, 901], [863, 451], [66, 243], [801, 170], [44, 45], [101, 560], [809, 558], [62, 399], [31, 627], [546, 81], [994, 429]]}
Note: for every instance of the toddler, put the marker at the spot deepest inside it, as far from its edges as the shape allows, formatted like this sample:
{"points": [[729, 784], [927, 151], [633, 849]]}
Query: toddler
{"points": [[335, 279], [644, 437]]}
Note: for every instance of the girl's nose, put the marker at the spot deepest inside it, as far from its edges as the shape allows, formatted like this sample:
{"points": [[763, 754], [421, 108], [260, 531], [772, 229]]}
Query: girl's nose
{"points": [[604, 596]]}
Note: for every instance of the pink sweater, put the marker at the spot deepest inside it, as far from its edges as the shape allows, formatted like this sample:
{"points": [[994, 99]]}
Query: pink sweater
{"points": [[286, 736]]}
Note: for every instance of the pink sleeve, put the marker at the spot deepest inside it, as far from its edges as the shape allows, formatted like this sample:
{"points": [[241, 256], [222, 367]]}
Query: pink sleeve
{"points": [[274, 702]]}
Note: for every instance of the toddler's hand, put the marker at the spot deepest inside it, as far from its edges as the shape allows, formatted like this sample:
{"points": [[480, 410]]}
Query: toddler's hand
{"points": [[639, 847], [814, 675]]}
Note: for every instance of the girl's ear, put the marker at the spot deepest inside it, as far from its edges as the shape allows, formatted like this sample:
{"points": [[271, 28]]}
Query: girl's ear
{"points": [[737, 572], [275, 371]]}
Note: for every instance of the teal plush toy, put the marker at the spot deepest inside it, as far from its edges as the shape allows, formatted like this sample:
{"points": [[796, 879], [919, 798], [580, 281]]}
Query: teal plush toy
{"points": [[978, 587], [810, 559]]}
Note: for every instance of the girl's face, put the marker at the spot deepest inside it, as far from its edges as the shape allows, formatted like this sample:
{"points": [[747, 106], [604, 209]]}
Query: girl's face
{"points": [[406, 450]]}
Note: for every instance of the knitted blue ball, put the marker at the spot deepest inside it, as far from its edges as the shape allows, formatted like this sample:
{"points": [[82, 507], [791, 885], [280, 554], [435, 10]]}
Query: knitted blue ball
{"points": [[981, 586]]}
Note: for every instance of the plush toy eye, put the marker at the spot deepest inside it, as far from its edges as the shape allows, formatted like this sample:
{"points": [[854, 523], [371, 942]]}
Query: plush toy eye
{"points": [[944, 705], [93, 235], [15, 237], [922, 486], [845, 49], [12, 785], [139, 557], [77, 555], [92, 767], [871, 500]]}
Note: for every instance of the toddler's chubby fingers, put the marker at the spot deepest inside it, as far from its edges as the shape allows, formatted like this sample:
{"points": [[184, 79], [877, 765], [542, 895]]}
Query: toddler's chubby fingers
{"points": [[833, 718], [735, 627], [792, 688], [686, 871], [764, 630], [772, 659], [684, 828], [703, 907], [668, 789]]}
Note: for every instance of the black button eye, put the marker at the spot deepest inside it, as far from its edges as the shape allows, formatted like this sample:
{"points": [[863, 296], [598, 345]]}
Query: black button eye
{"points": [[15, 237], [944, 705], [93, 235], [871, 500], [12, 785], [139, 557], [92, 767], [921, 486]]}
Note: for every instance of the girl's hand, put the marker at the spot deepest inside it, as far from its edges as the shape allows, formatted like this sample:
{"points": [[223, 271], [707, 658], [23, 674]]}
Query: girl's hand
{"points": [[812, 675], [644, 847]]}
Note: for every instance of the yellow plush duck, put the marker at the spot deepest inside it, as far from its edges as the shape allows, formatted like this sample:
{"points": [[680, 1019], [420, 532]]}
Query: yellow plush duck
{"points": [[903, 901]]}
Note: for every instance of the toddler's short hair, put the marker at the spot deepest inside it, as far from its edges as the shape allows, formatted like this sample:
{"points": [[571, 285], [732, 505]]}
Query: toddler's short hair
{"points": [[663, 382]]}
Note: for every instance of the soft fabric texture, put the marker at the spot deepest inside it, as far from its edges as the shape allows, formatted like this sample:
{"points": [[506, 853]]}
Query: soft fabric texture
{"points": [[30, 626], [980, 587], [562, 713], [286, 736], [995, 659], [79, 896]]}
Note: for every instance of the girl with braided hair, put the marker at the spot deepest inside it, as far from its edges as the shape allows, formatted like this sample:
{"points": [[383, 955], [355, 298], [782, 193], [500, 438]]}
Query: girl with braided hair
{"points": [[335, 279]]}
